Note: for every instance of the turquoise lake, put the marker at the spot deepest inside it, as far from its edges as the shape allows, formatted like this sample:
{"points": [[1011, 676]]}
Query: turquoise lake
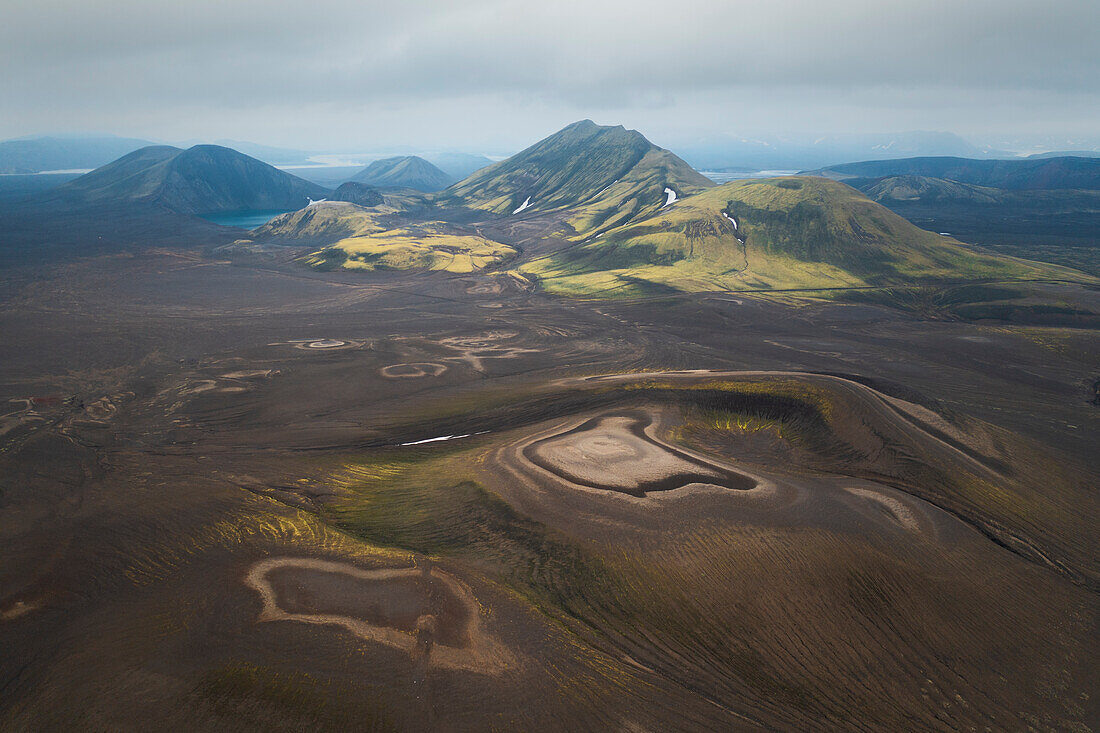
{"points": [[245, 218]]}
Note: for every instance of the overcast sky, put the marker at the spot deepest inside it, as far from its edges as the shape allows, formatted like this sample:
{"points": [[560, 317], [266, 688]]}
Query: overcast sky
{"points": [[494, 76]]}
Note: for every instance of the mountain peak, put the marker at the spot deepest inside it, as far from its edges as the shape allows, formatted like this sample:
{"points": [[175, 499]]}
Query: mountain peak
{"points": [[611, 173]]}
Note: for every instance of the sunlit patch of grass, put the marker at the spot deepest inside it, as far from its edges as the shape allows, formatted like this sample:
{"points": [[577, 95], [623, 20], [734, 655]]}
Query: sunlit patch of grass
{"points": [[1058, 342], [428, 247], [735, 422], [262, 524], [785, 392]]}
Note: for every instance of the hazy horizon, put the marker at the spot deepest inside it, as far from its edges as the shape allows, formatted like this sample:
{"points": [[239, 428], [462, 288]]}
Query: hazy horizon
{"points": [[495, 76]]}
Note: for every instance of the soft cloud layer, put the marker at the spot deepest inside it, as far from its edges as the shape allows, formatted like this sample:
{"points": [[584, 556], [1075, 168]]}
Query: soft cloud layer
{"points": [[495, 75]]}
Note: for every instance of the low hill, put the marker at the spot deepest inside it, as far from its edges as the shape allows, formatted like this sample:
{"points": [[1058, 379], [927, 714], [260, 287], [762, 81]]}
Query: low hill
{"points": [[199, 180], [352, 237], [319, 224], [357, 193], [409, 171], [927, 190], [429, 246], [1066, 154], [1027, 174], [606, 177], [770, 234], [1060, 226], [36, 154]]}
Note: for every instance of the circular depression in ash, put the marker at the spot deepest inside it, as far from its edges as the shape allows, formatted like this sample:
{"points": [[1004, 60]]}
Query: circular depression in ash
{"points": [[326, 344], [412, 370], [422, 611], [410, 602], [614, 453], [489, 288]]}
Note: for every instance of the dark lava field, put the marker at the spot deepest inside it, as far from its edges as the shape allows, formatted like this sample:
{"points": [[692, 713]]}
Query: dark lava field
{"points": [[238, 494]]}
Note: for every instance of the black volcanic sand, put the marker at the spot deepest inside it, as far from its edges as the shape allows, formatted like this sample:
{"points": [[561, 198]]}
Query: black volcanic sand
{"points": [[413, 370], [918, 552]]}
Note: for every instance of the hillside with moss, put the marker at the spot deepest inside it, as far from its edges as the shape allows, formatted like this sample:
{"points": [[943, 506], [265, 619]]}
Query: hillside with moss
{"points": [[604, 176], [430, 246], [322, 223], [621, 216], [773, 234]]}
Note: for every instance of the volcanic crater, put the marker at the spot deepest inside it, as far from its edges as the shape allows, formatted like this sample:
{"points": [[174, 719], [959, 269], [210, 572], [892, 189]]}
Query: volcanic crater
{"points": [[617, 453]]}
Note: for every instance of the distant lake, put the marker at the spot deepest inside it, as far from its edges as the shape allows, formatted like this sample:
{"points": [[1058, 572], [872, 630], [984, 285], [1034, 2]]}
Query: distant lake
{"points": [[727, 176], [245, 218]]}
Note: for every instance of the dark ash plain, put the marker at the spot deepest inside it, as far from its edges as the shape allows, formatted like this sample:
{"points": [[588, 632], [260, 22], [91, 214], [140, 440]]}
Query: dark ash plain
{"points": [[925, 557]]}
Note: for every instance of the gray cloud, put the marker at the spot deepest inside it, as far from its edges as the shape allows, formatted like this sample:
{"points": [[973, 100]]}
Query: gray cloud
{"points": [[497, 74]]}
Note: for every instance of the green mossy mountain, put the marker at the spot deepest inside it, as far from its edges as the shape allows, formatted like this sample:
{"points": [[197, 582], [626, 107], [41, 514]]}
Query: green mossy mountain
{"points": [[199, 180], [408, 171], [772, 234], [605, 176]]}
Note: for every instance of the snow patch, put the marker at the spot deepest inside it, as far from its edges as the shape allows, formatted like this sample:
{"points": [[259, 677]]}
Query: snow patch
{"points": [[671, 196], [607, 186], [444, 437], [523, 206]]}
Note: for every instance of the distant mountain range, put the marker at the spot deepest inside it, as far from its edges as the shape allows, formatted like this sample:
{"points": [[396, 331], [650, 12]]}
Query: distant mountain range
{"points": [[644, 221], [731, 153], [1067, 154], [32, 155], [722, 154], [1027, 174], [611, 214], [408, 171], [81, 153]]}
